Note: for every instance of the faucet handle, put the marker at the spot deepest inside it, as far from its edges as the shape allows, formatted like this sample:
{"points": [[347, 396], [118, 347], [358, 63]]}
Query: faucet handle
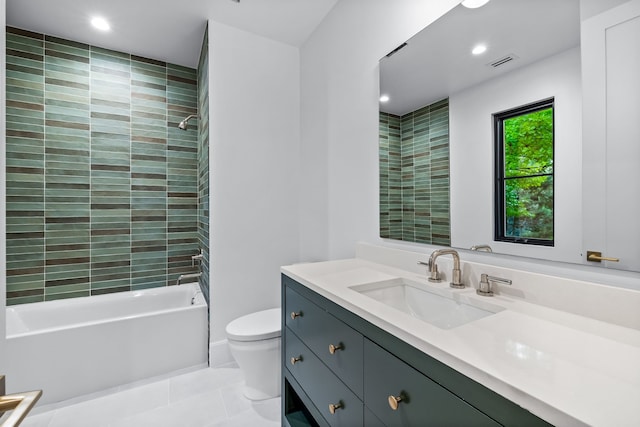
{"points": [[435, 274], [432, 269], [195, 258], [484, 287]]}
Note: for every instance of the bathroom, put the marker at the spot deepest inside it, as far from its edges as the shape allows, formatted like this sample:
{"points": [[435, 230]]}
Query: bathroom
{"points": [[300, 183]]}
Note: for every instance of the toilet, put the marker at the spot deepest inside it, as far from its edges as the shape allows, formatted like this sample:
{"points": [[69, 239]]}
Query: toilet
{"points": [[254, 341]]}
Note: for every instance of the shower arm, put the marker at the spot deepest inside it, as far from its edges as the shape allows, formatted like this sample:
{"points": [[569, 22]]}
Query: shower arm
{"points": [[183, 124]]}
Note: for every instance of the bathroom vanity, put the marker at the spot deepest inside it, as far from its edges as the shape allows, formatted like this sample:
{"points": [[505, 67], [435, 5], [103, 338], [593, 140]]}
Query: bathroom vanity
{"points": [[370, 344]]}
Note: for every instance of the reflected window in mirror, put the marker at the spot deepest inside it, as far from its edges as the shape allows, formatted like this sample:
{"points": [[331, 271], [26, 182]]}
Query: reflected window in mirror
{"points": [[414, 175], [524, 146]]}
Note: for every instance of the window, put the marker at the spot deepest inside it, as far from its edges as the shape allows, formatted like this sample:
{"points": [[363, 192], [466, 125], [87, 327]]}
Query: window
{"points": [[524, 174]]}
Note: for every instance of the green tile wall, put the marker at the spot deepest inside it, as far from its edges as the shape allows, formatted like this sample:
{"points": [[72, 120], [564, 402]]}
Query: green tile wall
{"points": [[203, 162], [102, 187], [390, 177], [414, 175]]}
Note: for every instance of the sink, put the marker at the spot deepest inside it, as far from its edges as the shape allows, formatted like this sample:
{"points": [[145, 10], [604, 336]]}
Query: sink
{"points": [[441, 308]]}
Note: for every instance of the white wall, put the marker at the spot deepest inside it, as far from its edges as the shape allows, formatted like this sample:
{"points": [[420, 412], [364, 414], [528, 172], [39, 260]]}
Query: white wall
{"points": [[254, 132], [589, 8], [471, 145], [3, 210], [339, 145]]}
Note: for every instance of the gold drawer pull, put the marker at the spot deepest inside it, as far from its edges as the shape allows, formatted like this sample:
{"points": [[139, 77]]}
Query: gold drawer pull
{"points": [[294, 315], [295, 360], [334, 348], [394, 401], [334, 406]]}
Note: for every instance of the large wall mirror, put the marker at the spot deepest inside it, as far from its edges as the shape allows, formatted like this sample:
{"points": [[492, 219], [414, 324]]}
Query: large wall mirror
{"points": [[436, 136]]}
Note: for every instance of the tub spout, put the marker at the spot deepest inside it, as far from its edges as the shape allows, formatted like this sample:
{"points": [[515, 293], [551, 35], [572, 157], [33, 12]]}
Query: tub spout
{"points": [[187, 276]]}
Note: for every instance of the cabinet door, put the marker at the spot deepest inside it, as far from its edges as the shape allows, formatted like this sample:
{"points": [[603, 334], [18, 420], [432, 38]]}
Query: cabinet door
{"points": [[611, 135], [335, 343], [422, 402], [321, 385]]}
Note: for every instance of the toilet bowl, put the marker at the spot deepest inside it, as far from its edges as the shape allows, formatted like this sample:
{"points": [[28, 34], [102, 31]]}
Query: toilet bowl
{"points": [[254, 341]]}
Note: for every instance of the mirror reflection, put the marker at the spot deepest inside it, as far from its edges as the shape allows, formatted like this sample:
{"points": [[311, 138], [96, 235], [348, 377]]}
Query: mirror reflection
{"points": [[436, 137]]}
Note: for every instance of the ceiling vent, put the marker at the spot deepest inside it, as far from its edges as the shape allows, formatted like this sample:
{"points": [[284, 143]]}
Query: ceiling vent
{"points": [[394, 51], [504, 60]]}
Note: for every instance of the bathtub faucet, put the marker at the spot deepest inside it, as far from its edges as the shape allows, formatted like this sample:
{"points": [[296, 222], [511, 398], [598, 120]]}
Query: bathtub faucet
{"points": [[187, 276]]}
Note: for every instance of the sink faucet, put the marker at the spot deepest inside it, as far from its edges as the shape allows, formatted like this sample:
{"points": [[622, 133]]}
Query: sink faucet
{"points": [[434, 276]]}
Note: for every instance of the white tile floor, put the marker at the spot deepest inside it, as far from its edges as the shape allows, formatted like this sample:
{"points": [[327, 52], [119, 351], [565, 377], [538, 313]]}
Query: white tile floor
{"points": [[210, 397]]}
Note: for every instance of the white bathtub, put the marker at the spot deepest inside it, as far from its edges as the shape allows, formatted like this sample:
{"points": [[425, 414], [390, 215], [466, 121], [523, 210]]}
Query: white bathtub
{"points": [[73, 347]]}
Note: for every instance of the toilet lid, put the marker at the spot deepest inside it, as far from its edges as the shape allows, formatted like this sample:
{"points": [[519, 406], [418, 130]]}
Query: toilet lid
{"points": [[261, 325]]}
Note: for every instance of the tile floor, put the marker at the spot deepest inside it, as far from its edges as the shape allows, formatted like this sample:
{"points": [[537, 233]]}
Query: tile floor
{"points": [[210, 397]]}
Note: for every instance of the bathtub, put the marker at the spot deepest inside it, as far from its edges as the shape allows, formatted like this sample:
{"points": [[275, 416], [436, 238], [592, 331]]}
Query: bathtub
{"points": [[78, 346]]}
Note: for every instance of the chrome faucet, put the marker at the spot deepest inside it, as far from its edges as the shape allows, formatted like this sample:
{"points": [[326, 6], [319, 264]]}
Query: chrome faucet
{"points": [[434, 276], [187, 276], [198, 258]]}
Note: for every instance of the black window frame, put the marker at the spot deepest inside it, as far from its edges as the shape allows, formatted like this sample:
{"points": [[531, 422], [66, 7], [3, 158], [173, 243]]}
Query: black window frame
{"points": [[499, 174]]}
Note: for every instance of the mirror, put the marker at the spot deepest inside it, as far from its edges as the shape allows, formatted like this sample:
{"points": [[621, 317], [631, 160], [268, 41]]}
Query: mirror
{"points": [[533, 53], [436, 141]]}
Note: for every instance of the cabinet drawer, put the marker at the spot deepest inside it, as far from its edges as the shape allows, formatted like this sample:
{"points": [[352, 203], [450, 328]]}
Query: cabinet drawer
{"points": [[319, 330], [370, 420], [321, 385], [423, 402]]}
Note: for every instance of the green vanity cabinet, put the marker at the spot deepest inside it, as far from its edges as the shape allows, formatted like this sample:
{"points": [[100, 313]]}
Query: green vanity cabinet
{"points": [[400, 396], [372, 378], [370, 420], [338, 405], [336, 344]]}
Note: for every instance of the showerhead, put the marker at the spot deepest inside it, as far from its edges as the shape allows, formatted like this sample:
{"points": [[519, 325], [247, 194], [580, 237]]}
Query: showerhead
{"points": [[183, 124]]}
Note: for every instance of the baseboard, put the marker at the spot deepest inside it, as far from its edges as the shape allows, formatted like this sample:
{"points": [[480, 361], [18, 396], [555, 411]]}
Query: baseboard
{"points": [[220, 354]]}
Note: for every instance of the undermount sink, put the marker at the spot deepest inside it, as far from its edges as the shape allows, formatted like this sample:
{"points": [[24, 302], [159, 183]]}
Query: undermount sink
{"points": [[444, 309]]}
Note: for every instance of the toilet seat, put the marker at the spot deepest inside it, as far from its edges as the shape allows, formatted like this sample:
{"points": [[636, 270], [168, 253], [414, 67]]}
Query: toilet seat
{"points": [[261, 325]]}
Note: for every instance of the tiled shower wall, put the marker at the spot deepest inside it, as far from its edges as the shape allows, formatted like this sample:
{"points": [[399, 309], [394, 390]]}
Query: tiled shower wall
{"points": [[414, 175], [203, 162], [102, 191]]}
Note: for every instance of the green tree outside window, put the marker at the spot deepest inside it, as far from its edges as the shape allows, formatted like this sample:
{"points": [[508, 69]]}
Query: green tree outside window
{"points": [[524, 184]]}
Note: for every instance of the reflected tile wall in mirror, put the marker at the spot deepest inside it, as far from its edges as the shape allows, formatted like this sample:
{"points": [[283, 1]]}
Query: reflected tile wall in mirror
{"points": [[414, 175]]}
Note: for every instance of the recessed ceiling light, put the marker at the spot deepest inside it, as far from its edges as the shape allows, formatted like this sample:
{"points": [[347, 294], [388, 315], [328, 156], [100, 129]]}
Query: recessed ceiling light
{"points": [[472, 4], [384, 98], [100, 23], [479, 49]]}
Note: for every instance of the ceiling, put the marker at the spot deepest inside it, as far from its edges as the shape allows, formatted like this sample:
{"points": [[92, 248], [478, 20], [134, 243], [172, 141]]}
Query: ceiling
{"points": [[437, 62], [167, 30]]}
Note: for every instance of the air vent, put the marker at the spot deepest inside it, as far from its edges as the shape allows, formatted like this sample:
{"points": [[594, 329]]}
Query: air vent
{"points": [[395, 50], [504, 60]]}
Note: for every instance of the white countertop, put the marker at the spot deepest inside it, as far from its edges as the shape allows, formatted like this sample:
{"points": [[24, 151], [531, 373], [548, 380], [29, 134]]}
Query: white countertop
{"points": [[565, 368]]}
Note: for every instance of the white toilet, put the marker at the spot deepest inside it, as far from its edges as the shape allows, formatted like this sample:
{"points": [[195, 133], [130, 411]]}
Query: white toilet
{"points": [[254, 341]]}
